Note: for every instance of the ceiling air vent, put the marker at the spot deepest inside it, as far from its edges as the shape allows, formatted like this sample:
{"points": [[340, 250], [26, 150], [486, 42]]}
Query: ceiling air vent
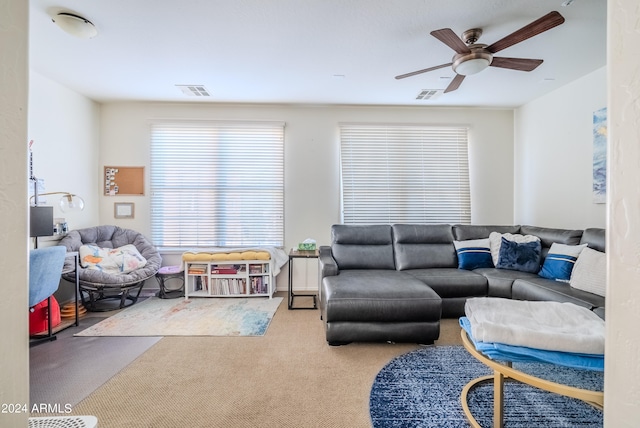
{"points": [[194, 90], [429, 94]]}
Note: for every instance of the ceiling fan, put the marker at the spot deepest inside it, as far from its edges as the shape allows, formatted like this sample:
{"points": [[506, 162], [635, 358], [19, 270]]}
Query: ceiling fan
{"points": [[472, 57]]}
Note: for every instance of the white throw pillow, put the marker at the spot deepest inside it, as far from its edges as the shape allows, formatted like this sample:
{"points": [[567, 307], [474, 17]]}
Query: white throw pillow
{"points": [[590, 272], [495, 241]]}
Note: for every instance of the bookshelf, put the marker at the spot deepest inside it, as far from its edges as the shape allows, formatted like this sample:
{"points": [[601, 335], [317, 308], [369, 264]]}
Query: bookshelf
{"points": [[228, 278]]}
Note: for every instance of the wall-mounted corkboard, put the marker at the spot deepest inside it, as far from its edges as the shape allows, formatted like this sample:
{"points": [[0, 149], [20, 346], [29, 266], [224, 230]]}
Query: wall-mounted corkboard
{"points": [[123, 180]]}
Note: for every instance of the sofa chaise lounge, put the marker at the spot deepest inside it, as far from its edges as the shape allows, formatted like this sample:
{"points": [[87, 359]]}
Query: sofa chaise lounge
{"points": [[395, 282]]}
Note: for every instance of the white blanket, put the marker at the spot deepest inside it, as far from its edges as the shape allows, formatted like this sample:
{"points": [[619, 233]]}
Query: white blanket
{"points": [[551, 326]]}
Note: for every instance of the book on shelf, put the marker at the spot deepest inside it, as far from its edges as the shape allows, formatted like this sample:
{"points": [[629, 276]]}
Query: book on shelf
{"points": [[224, 271], [197, 269], [255, 269], [228, 286], [201, 283], [258, 285]]}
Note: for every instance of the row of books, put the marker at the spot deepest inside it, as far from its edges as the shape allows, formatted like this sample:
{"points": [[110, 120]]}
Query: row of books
{"points": [[201, 269], [201, 283], [228, 286], [225, 286], [258, 269], [220, 286], [197, 269], [259, 285]]}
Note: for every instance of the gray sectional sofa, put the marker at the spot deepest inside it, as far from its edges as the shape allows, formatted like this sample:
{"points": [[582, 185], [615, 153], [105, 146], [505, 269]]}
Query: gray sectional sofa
{"points": [[395, 282]]}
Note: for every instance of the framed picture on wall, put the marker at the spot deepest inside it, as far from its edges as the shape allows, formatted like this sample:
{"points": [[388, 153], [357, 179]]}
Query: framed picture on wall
{"points": [[123, 209], [600, 156]]}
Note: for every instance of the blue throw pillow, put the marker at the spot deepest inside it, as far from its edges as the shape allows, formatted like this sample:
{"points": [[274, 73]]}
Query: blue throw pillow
{"points": [[524, 257], [560, 261], [473, 254]]}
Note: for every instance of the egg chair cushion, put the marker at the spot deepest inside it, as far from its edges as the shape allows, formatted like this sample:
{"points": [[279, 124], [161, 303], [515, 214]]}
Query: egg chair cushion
{"points": [[113, 237]]}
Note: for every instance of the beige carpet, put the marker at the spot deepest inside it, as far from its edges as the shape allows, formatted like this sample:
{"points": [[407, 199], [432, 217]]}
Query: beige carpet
{"points": [[288, 378]]}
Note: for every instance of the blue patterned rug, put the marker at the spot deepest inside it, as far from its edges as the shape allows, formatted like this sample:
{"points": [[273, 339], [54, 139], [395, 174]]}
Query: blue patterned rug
{"points": [[422, 389], [202, 316]]}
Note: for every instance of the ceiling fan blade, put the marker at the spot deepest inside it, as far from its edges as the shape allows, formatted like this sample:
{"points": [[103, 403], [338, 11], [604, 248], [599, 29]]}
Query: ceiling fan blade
{"points": [[413, 73], [547, 22], [449, 38], [520, 64], [455, 83]]}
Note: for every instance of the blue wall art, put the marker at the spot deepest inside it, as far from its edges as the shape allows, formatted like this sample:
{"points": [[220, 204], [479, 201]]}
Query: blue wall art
{"points": [[600, 156]]}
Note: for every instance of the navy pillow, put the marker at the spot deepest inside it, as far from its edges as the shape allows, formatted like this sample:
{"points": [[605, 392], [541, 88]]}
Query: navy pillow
{"points": [[473, 254], [524, 257]]}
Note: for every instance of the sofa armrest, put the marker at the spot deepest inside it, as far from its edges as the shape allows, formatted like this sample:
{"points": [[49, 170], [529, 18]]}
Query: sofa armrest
{"points": [[328, 265]]}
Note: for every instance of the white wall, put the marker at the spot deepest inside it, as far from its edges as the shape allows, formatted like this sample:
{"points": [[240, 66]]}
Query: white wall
{"points": [[622, 347], [312, 187], [622, 397], [554, 156], [14, 351], [64, 126]]}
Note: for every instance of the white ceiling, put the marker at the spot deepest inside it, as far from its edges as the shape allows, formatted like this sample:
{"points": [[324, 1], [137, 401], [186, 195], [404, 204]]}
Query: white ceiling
{"points": [[308, 51]]}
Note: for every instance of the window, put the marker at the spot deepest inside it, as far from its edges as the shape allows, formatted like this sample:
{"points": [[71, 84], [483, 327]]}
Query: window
{"points": [[217, 184], [404, 174]]}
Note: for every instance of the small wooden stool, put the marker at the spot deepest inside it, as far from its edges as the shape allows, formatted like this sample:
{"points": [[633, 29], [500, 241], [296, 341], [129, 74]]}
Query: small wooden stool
{"points": [[170, 274]]}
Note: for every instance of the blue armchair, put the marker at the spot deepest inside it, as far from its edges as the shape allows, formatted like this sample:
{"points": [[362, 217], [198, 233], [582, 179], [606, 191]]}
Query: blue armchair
{"points": [[45, 268]]}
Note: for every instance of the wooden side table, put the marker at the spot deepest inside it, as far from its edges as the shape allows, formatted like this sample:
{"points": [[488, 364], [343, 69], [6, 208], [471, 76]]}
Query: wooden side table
{"points": [[299, 254]]}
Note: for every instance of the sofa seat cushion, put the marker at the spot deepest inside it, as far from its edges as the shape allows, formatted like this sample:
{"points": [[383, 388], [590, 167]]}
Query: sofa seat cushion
{"points": [[452, 282], [377, 296], [548, 289], [500, 281]]}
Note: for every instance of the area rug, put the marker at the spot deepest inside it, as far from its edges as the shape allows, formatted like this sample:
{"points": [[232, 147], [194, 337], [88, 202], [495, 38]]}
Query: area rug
{"points": [[422, 389], [193, 317]]}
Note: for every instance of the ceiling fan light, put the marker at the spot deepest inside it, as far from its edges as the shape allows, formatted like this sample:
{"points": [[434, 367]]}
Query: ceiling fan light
{"points": [[75, 25], [472, 66]]}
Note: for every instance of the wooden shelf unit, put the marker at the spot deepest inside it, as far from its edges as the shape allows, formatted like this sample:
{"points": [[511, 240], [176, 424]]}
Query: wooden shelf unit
{"points": [[228, 278]]}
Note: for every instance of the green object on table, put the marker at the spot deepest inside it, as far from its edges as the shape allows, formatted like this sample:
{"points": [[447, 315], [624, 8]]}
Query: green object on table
{"points": [[307, 246]]}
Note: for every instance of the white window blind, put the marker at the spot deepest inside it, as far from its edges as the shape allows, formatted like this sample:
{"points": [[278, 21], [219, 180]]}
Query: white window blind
{"points": [[404, 174], [217, 184]]}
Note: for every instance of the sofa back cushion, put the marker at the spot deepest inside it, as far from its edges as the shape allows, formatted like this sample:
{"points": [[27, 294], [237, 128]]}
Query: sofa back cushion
{"points": [[424, 246], [548, 236], [464, 232], [362, 247], [594, 238]]}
